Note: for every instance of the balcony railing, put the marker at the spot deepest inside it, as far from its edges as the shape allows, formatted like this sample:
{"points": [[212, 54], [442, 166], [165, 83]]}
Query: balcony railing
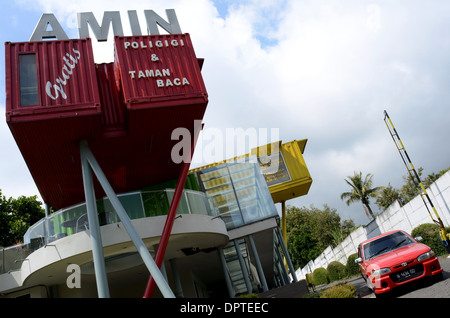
{"points": [[72, 220]]}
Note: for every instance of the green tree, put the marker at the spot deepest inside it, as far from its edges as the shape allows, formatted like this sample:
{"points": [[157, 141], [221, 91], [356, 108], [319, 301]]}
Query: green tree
{"points": [[361, 190], [16, 216], [5, 216], [408, 191], [302, 245], [387, 196], [324, 221], [311, 230], [432, 177]]}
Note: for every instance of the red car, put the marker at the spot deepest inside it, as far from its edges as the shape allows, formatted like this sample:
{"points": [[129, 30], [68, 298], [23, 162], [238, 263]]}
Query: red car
{"points": [[393, 259]]}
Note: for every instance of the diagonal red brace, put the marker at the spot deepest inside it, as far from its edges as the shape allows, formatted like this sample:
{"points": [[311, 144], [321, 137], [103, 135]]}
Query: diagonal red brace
{"points": [[151, 284], [168, 227]]}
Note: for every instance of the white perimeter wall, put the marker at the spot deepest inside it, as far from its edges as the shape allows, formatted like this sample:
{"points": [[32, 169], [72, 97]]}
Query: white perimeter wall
{"points": [[395, 217]]}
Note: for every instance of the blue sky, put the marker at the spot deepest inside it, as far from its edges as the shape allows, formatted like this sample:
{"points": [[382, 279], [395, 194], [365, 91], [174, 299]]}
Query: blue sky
{"points": [[322, 70], [17, 25]]}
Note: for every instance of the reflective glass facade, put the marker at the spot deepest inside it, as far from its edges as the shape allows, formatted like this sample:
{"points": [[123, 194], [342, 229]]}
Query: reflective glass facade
{"points": [[138, 205], [234, 191], [238, 192]]}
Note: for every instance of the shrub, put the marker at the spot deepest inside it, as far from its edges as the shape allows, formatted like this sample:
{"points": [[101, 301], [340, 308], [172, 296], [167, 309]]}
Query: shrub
{"points": [[336, 271], [352, 267], [320, 276], [309, 279], [248, 296], [314, 294], [345, 290], [430, 235]]}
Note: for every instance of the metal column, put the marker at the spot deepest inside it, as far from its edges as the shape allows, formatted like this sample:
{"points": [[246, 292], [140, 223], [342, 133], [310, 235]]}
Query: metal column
{"points": [[86, 155], [283, 274], [225, 273], [262, 278], [286, 253], [176, 278], [94, 229], [283, 220], [243, 266], [172, 213], [46, 232], [168, 226]]}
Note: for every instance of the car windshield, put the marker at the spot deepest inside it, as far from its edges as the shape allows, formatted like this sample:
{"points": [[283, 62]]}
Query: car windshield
{"points": [[385, 244]]}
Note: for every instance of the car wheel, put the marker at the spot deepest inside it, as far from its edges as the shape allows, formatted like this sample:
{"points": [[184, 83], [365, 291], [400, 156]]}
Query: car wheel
{"points": [[383, 295], [438, 277], [367, 283]]}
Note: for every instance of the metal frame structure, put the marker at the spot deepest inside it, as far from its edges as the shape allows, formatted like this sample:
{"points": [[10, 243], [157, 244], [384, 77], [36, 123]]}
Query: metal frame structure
{"points": [[167, 228], [89, 164], [150, 288]]}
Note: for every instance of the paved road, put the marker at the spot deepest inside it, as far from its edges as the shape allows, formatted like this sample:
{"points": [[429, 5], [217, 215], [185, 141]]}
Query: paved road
{"points": [[418, 289]]}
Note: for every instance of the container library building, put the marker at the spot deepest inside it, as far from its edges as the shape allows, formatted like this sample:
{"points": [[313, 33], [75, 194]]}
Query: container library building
{"points": [[123, 219]]}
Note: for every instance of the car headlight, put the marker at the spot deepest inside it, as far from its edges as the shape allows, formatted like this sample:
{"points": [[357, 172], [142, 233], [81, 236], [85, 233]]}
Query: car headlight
{"points": [[380, 271], [425, 256]]}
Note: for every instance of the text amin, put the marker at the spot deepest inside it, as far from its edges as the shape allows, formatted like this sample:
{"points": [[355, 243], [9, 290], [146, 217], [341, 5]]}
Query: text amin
{"points": [[110, 18]]}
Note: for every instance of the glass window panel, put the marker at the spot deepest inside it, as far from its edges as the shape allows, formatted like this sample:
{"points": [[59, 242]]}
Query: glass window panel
{"points": [[28, 80], [197, 203], [254, 198], [221, 194], [182, 205], [132, 205], [155, 203], [130, 202], [266, 207], [106, 213]]}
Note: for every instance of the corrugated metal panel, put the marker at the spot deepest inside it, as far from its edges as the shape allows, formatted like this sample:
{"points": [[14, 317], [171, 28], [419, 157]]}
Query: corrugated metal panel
{"points": [[48, 132], [131, 141], [66, 79], [158, 68], [50, 149], [300, 183], [113, 107]]}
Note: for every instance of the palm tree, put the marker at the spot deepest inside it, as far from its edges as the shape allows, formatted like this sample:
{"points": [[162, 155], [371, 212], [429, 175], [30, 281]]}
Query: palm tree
{"points": [[361, 190]]}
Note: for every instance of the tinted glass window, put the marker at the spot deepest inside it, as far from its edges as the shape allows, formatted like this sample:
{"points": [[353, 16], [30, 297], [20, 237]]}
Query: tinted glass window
{"points": [[238, 191], [28, 80], [385, 244]]}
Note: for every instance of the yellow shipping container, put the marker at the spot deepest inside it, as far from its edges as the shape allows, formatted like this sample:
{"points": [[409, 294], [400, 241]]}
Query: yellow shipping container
{"points": [[283, 166]]}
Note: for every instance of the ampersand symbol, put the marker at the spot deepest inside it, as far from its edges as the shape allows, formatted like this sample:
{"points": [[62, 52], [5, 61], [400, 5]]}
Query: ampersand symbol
{"points": [[154, 58]]}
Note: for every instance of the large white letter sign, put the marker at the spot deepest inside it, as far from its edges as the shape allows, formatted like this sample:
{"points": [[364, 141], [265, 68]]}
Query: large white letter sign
{"points": [[40, 32], [87, 19], [101, 33]]}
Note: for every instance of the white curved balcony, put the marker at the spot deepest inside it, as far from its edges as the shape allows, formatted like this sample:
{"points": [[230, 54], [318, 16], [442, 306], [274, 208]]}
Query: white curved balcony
{"points": [[63, 238]]}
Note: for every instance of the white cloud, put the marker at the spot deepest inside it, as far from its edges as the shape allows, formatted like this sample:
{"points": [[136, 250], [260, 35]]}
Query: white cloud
{"points": [[374, 17], [15, 179], [322, 70]]}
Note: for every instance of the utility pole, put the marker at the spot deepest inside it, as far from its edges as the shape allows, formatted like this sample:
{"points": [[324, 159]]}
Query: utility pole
{"points": [[416, 179]]}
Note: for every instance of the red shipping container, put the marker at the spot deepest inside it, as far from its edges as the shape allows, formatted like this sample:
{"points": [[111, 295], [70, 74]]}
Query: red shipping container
{"points": [[127, 121], [50, 79], [161, 82], [158, 68], [113, 106], [52, 103]]}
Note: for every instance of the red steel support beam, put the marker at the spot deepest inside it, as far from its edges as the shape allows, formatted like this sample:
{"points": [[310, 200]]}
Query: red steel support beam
{"points": [[171, 216]]}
